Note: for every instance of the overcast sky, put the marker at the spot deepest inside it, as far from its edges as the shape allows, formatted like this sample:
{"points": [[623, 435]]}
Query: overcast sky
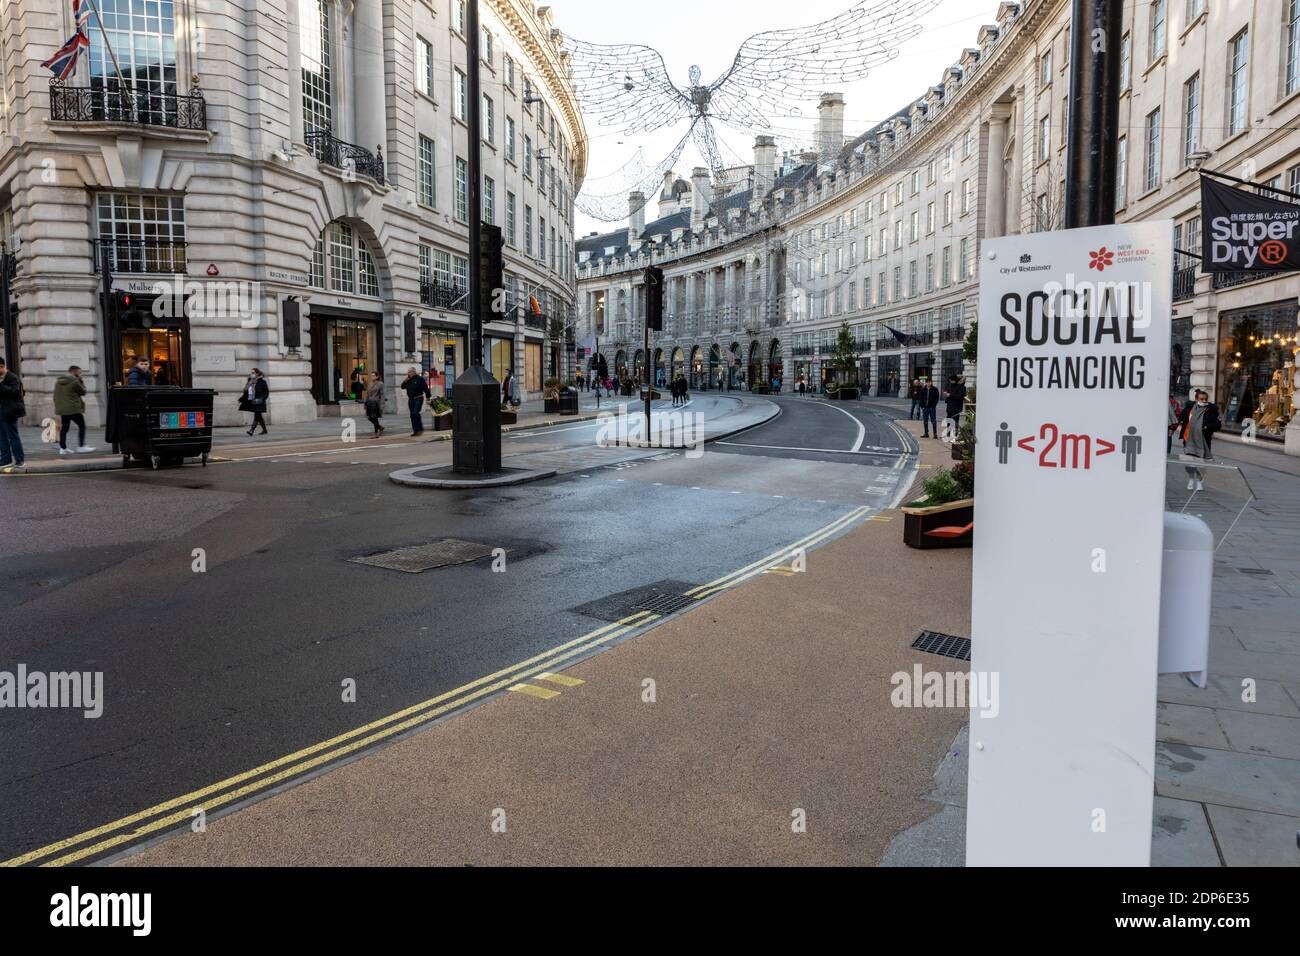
{"points": [[708, 33]]}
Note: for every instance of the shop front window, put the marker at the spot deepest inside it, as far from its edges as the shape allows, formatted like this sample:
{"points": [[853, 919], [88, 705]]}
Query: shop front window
{"points": [[888, 375], [352, 355], [1257, 357], [165, 349]]}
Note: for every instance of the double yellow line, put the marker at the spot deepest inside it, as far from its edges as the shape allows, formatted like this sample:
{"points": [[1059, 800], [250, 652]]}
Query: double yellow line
{"points": [[777, 557], [174, 812]]}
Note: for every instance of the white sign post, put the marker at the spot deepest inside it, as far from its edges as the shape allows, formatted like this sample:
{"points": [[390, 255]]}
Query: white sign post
{"points": [[1072, 389]]}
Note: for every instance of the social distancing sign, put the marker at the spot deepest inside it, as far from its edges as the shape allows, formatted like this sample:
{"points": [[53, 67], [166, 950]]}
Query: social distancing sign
{"points": [[1072, 390]]}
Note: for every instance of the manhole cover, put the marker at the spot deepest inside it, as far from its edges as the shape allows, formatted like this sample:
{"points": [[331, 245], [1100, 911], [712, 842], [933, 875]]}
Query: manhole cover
{"points": [[425, 557], [945, 645], [661, 597]]}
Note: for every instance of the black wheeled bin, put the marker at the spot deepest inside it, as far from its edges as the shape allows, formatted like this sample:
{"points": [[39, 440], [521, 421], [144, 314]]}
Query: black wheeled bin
{"points": [[568, 401], [161, 425]]}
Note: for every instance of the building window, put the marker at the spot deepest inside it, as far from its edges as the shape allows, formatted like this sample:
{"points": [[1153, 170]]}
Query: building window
{"points": [[317, 80], [426, 264], [947, 266], [968, 143], [1045, 138], [967, 196], [367, 276], [511, 236], [914, 226], [487, 46], [423, 66], [462, 190], [1121, 174], [317, 279], [929, 272], [1042, 214], [1238, 51], [1191, 116], [881, 290], [460, 95], [898, 283], [510, 72], [528, 229], [528, 156], [458, 16], [489, 120], [1045, 69], [541, 238], [342, 258], [1292, 46], [428, 193], [510, 138], [1125, 62], [1157, 30], [143, 233], [1152, 174], [963, 265], [489, 201], [911, 278]]}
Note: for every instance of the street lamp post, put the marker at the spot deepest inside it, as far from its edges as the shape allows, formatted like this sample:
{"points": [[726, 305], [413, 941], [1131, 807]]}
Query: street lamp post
{"points": [[476, 420], [1092, 138]]}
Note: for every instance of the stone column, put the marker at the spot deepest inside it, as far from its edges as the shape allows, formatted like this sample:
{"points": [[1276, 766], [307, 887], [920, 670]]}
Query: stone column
{"points": [[995, 183], [294, 70]]}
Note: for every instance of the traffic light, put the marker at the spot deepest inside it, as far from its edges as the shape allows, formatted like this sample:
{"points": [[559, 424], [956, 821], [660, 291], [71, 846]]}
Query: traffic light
{"points": [[491, 273], [129, 310], [654, 298]]}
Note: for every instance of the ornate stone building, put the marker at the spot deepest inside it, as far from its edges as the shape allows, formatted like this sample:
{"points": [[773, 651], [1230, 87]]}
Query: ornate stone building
{"points": [[882, 231], [280, 184]]}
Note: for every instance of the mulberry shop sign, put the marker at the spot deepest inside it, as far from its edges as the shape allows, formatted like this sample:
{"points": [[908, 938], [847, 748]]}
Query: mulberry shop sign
{"points": [[1069, 525]]}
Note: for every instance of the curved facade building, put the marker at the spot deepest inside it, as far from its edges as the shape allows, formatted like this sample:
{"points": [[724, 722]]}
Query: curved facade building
{"points": [[882, 231], [279, 184]]}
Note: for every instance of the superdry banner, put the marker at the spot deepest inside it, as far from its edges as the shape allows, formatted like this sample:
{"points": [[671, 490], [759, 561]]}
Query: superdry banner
{"points": [[1246, 232]]}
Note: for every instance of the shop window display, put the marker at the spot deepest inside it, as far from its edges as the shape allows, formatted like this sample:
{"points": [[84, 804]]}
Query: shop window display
{"points": [[1257, 367]]}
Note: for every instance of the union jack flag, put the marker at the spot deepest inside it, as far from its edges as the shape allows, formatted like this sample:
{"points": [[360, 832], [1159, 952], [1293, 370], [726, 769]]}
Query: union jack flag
{"points": [[64, 61], [81, 11]]}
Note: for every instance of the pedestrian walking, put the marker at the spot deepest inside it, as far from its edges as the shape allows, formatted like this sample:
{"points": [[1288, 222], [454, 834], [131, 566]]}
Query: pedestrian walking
{"points": [[12, 408], [956, 400], [254, 398], [417, 390], [929, 400], [915, 395], [1199, 421], [375, 404], [70, 406], [508, 389], [1175, 416], [140, 374]]}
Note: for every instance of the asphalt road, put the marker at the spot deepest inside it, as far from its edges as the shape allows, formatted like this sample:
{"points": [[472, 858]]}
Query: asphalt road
{"points": [[209, 673]]}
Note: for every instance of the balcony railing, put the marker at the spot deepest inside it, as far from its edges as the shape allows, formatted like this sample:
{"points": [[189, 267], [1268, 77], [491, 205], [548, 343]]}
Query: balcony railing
{"points": [[440, 296], [143, 256], [532, 321], [1226, 280], [332, 151], [1184, 283], [82, 104], [954, 334]]}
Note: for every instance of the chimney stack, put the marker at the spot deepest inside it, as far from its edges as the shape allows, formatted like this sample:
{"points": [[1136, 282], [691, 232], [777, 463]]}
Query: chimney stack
{"points": [[701, 196], [635, 219], [764, 166], [830, 126]]}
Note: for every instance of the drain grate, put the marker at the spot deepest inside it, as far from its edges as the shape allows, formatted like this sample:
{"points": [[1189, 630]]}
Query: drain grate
{"points": [[945, 645], [1260, 571], [425, 557], [666, 603]]}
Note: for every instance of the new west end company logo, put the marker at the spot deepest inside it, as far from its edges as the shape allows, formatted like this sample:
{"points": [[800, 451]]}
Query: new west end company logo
{"points": [[1100, 259], [1105, 257]]}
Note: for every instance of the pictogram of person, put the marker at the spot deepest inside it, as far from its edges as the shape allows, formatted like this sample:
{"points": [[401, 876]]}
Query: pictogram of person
{"points": [[1002, 438], [1131, 445]]}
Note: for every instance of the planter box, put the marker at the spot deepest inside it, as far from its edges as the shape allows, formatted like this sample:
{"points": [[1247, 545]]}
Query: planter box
{"points": [[918, 522], [509, 418], [847, 394], [442, 423], [551, 406]]}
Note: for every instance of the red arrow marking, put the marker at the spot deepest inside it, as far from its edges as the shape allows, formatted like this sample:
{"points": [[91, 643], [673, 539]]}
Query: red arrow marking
{"points": [[1104, 447], [1026, 443]]}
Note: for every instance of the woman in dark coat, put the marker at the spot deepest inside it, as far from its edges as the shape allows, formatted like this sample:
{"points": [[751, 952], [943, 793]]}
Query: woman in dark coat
{"points": [[1198, 423], [254, 397]]}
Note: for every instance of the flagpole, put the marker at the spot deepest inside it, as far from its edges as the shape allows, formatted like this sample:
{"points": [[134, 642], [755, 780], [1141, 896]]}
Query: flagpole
{"points": [[99, 21]]}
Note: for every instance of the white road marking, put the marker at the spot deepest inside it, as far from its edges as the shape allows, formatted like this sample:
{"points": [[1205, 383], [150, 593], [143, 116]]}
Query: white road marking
{"points": [[862, 429], [890, 453]]}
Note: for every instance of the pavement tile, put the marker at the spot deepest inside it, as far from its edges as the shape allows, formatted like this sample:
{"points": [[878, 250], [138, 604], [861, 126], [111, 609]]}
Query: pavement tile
{"points": [[1180, 835], [1197, 726], [1224, 693], [1250, 838], [1237, 662], [1261, 733], [1269, 640], [1247, 781]]}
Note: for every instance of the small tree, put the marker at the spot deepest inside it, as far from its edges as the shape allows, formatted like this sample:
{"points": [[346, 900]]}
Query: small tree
{"points": [[845, 356]]}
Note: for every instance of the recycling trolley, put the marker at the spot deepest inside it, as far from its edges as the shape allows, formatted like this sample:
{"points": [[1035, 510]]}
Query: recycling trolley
{"points": [[161, 425]]}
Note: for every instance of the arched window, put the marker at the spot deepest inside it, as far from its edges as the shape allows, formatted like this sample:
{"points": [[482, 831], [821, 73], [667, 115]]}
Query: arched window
{"points": [[342, 262]]}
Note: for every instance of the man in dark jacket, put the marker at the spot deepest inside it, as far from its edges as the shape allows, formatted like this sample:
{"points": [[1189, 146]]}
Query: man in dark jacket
{"points": [[417, 390], [915, 395], [11, 409], [956, 399], [140, 374], [929, 402]]}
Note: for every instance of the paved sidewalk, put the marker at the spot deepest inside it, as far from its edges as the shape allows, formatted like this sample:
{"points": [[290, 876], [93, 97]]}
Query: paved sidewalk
{"points": [[318, 435], [763, 715]]}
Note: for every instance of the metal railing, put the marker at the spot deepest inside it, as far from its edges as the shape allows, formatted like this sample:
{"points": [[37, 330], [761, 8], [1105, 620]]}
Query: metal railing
{"points": [[441, 296], [1184, 283], [532, 321], [83, 104], [1226, 280], [332, 151], [953, 334], [146, 256]]}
